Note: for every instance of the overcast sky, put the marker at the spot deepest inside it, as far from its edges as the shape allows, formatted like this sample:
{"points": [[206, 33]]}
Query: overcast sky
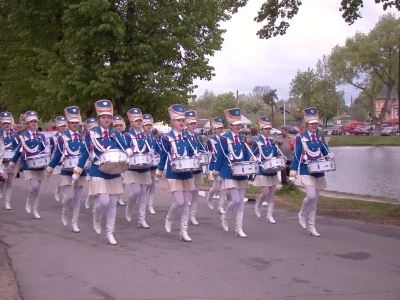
{"points": [[246, 61]]}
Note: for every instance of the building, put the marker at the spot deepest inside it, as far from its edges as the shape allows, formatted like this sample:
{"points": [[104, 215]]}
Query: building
{"points": [[392, 111]]}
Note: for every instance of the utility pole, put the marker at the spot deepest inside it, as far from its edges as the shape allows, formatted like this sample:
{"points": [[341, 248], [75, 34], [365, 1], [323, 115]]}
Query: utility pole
{"points": [[398, 95], [237, 97]]}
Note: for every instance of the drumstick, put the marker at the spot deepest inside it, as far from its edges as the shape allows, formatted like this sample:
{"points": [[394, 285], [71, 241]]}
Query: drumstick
{"points": [[45, 185]]}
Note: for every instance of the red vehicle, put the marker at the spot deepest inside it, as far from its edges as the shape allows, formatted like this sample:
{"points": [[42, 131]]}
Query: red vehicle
{"points": [[361, 131], [351, 125]]}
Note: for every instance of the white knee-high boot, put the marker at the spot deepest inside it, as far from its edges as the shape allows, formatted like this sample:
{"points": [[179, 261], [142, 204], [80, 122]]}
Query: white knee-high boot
{"points": [[170, 218], [225, 219], [221, 201], [270, 211], [35, 207], [184, 227], [192, 214], [238, 225], [97, 221], [257, 207], [65, 210], [58, 193], [142, 214], [75, 219], [28, 205], [311, 224], [8, 198], [110, 226], [150, 204]]}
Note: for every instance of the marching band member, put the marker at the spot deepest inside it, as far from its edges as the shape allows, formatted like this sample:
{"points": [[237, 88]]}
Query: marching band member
{"points": [[212, 146], [152, 140], [11, 143], [69, 144], [181, 185], [105, 187], [61, 125], [264, 147], [233, 149], [195, 142], [89, 125], [32, 143], [309, 146], [138, 179], [120, 126]]}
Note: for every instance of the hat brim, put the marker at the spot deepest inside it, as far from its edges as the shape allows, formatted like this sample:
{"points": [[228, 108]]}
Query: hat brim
{"points": [[73, 120], [147, 123], [313, 122], [105, 114], [179, 118], [236, 123], [191, 121], [267, 127], [136, 119], [28, 119]]}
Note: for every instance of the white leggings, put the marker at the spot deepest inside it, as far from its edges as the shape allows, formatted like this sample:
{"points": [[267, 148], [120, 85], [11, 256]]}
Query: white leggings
{"points": [[138, 192], [311, 199], [237, 202], [268, 193], [152, 187], [34, 190], [215, 187], [181, 202], [106, 203], [72, 198]]}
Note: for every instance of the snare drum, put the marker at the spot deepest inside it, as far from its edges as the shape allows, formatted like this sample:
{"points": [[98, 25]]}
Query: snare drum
{"points": [[244, 168], [203, 156], [38, 161], [140, 161], [273, 165], [71, 162], [185, 164], [155, 160], [113, 161], [8, 155], [320, 166]]}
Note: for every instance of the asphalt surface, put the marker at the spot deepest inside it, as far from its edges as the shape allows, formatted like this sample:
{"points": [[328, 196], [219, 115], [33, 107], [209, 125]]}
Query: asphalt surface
{"points": [[351, 260]]}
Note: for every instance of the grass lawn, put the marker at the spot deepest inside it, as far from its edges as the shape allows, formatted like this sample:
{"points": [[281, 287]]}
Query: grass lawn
{"points": [[363, 140]]}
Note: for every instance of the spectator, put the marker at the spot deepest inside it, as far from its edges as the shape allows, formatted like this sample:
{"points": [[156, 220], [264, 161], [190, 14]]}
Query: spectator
{"points": [[53, 126], [40, 129], [286, 145], [253, 136]]}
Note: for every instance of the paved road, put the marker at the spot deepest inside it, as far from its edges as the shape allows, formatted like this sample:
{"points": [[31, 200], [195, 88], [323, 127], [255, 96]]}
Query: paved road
{"points": [[351, 260]]}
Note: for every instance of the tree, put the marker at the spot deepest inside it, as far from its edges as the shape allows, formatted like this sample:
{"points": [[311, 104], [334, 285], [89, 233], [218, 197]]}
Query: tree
{"points": [[135, 53], [287, 9], [254, 106], [369, 59], [221, 103], [270, 98], [303, 86]]}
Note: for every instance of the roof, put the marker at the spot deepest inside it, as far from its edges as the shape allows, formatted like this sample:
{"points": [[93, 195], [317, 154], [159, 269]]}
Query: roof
{"points": [[383, 92], [201, 123]]}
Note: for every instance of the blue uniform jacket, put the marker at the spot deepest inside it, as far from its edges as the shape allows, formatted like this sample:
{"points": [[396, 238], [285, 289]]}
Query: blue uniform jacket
{"points": [[27, 141], [182, 147], [132, 135], [266, 150], [313, 146], [212, 147], [109, 143], [12, 141], [61, 149], [153, 141], [222, 163], [53, 145], [197, 144]]}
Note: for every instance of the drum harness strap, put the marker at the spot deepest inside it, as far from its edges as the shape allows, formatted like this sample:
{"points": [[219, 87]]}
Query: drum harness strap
{"points": [[271, 154], [29, 150], [230, 148]]}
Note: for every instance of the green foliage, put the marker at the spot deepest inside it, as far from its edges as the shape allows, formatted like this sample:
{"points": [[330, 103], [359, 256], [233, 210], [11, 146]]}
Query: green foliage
{"points": [[135, 53], [278, 12], [290, 189], [221, 103], [254, 106]]}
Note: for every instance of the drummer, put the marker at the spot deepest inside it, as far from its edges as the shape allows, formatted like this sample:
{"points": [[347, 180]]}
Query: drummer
{"points": [[120, 126], [153, 141], [69, 145], [264, 147], [89, 124], [234, 149], [196, 142], [138, 179], [61, 125], [213, 145], [11, 143], [181, 185], [105, 186], [32, 143], [309, 146]]}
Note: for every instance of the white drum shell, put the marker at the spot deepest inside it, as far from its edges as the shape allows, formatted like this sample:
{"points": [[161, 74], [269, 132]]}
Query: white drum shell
{"points": [[320, 166], [185, 164], [155, 160], [273, 165], [203, 158], [140, 161], [38, 161], [113, 161], [8, 155], [71, 162], [244, 168]]}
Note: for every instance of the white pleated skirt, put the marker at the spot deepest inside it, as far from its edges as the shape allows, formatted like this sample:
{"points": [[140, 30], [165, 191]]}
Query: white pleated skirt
{"points": [[33, 174], [319, 183], [98, 185], [136, 177], [266, 180], [13, 170], [212, 178], [234, 184], [67, 180], [181, 185]]}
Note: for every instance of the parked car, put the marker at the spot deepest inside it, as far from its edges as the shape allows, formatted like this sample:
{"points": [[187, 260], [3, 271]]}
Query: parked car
{"points": [[294, 130], [329, 124], [275, 131], [245, 131], [361, 131], [338, 130], [389, 131]]}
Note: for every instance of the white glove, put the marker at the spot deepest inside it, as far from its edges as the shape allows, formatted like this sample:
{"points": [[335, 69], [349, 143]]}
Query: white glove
{"points": [[331, 155], [292, 174], [75, 177], [129, 152]]}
